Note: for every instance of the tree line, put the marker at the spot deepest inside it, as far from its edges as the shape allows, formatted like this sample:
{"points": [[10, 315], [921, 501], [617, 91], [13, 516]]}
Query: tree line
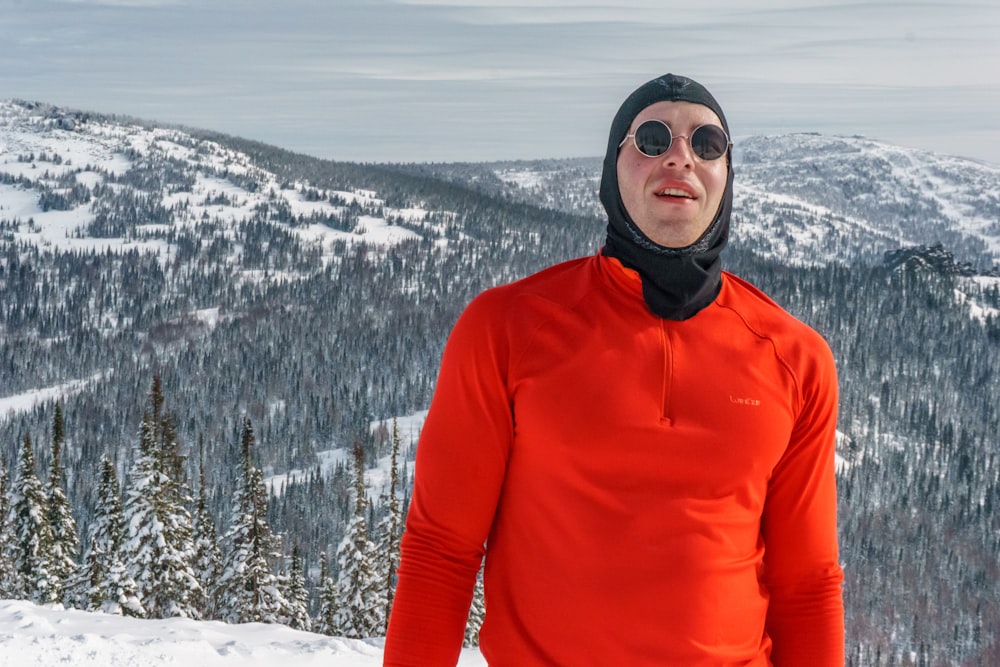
{"points": [[153, 551]]}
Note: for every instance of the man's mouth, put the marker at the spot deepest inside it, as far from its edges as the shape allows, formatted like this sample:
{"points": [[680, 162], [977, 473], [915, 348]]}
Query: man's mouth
{"points": [[674, 192]]}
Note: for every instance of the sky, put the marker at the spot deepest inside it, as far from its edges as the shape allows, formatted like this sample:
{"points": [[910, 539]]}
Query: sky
{"points": [[51, 637], [484, 80]]}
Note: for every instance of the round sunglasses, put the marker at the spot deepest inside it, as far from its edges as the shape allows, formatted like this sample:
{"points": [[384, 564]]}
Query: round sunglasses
{"points": [[653, 138]]}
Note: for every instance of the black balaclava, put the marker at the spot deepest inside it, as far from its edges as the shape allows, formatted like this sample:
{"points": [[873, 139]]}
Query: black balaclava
{"points": [[676, 282]]}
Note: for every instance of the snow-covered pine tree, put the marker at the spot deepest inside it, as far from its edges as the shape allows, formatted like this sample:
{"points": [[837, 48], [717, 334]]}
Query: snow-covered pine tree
{"points": [[120, 592], [103, 583], [361, 606], [329, 604], [65, 543], [158, 548], [168, 445], [390, 529], [248, 589], [6, 537], [207, 555], [294, 585], [31, 550], [177, 494], [477, 613], [104, 530], [145, 539]]}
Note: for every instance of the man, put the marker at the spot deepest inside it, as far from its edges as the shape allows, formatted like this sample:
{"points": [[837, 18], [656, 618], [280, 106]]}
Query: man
{"points": [[641, 444]]}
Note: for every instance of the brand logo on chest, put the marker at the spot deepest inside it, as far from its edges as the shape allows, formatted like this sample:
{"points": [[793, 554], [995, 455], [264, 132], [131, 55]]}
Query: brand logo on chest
{"points": [[744, 400]]}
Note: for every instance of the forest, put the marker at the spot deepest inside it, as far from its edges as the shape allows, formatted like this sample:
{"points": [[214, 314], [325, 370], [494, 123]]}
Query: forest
{"points": [[216, 352]]}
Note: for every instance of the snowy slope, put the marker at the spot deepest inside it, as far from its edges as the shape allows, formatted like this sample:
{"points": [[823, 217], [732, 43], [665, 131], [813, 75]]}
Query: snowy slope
{"points": [[46, 151], [376, 476], [33, 636], [808, 198]]}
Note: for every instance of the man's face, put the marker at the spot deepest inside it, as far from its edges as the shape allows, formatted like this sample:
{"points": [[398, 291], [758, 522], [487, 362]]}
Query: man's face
{"points": [[672, 198]]}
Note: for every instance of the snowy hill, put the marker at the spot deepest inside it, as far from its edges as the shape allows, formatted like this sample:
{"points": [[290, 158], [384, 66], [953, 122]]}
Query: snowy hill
{"points": [[804, 198], [812, 199], [58, 166], [43, 637]]}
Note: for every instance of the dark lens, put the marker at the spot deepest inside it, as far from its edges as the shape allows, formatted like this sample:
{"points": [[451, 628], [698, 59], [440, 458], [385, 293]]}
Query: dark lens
{"points": [[709, 142], [652, 138]]}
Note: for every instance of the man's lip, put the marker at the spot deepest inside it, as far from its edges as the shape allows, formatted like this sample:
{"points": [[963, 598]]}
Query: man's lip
{"points": [[675, 186]]}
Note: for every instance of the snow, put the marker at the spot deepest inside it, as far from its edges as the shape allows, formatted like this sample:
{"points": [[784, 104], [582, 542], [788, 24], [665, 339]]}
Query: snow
{"points": [[74, 148], [327, 461], [57, 229], [26, 401], [31, 635], [795, 203], [522, 178], [841, 464], [377, 230], [369, 229], [208, 316], [976, 310], [377, 476], [299, 205], [99, 146]]}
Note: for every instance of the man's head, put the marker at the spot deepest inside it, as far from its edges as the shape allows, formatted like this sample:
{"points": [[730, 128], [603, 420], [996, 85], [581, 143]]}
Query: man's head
{"points": [[668, 215], [674, 198]]}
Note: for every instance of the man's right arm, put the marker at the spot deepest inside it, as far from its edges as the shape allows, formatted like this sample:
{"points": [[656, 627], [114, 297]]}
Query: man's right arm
{"points": [[460, 464]]}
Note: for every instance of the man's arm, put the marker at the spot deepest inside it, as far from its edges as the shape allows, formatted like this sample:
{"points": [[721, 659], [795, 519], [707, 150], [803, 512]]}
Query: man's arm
{"points": [[802, 574], [461, 459]]}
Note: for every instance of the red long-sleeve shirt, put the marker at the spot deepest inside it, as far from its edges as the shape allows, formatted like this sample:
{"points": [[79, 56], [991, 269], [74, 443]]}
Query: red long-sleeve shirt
{"points": [[646, 491]]}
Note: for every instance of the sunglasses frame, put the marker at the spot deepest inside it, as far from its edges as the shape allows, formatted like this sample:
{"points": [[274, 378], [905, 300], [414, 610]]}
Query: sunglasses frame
{"points": [[729, 142]]}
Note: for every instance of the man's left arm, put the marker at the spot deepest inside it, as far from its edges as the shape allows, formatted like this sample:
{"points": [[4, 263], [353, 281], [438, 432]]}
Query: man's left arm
{"points": [[802, 573]]}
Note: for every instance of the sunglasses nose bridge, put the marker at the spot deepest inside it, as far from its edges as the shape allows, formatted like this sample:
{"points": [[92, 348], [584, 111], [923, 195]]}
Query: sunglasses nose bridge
{"points": [[685, 147]]}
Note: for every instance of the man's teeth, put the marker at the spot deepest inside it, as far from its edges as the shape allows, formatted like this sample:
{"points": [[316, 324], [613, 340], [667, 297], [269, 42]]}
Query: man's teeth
{"points": [[671, 192]]}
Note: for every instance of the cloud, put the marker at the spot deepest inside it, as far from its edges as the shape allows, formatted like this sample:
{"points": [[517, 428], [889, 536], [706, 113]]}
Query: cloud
{"points": [[125, 3]]}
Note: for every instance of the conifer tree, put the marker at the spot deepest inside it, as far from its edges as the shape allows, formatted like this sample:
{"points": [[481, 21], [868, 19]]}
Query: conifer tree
{"points": [[158, 548], [296, 595], [6, 537], [207, 555], [249, 591], [65, 543], [169, 461], [168, 446], [31, 550], [103, 581], [361, 606], [329, 603], [389, 531], [120, 592]]}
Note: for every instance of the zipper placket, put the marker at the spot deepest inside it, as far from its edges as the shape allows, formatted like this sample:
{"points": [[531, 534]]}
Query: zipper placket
{"points": [[667, 408]]}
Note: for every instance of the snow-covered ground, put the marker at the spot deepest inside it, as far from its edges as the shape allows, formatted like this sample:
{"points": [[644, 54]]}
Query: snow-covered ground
{"points": [[33, 636], [39, 150], [26, 401]]}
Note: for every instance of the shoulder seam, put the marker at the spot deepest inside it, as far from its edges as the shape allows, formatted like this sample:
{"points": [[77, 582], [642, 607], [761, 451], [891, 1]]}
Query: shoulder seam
{"points": [[777, 353]]}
